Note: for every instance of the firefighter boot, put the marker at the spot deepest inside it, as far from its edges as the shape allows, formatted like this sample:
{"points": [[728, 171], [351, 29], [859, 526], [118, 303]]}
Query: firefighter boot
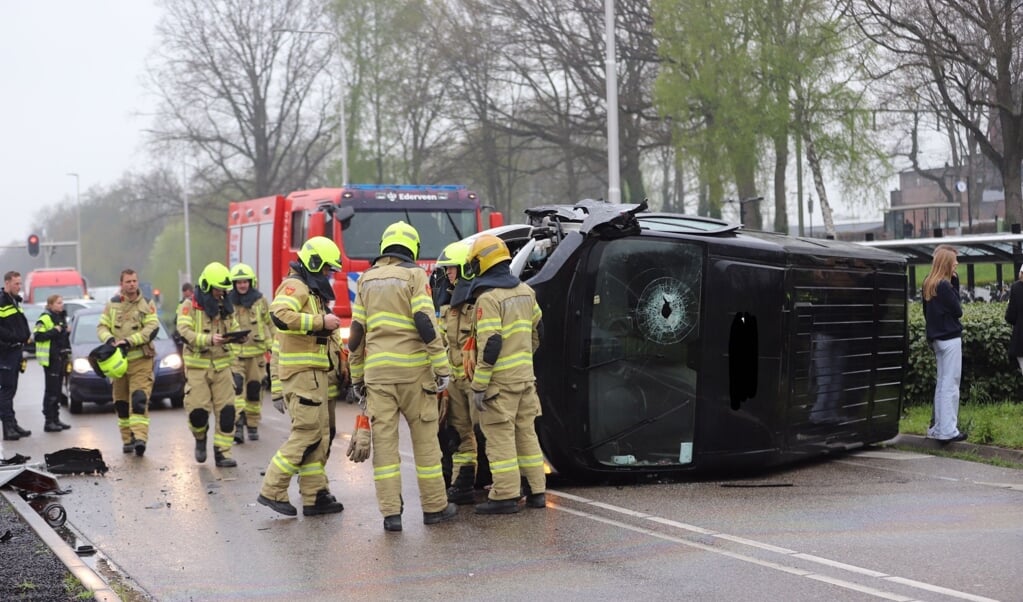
{"points": [[284, 508], [128, 447], [200, 450], [253, 433], [52, 427], [392, 522], [222, 460], [498, 506], [460, 491], [239, 428], [325, 504], [533, 500], [448, 513], [9, 433], [140, 447]]}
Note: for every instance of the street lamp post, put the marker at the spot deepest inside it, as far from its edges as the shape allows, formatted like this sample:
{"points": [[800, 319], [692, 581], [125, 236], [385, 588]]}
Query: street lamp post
{"points": [[341, 97], [78, 223], [614, 186]]}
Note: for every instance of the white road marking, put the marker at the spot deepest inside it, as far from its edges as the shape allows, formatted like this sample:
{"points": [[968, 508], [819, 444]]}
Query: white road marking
{"points": [[760, 546]]}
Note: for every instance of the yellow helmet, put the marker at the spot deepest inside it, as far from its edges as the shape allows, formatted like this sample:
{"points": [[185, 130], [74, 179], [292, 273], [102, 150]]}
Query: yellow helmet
{"points": [[486, 252], [215, 275], [456, 254], [403, 235], [109, 361], [242, 271], [319, 251]]}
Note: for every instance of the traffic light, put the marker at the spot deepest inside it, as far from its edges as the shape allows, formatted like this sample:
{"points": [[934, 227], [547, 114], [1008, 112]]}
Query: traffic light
{"points": [[33, 244]]}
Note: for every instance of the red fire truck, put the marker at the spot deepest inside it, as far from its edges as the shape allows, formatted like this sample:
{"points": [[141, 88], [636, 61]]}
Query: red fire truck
{"points": [[266, 233]]}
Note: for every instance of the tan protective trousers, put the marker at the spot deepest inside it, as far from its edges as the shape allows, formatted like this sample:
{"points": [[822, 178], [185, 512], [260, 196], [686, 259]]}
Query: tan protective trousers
{"points": [[131, 422], [252, 370], [303, 454], [211, 390], [512, 447], [461, 417], [417, 402]]}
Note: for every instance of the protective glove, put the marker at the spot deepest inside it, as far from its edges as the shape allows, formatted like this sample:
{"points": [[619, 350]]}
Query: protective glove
{"points": [[279, 404], [360, 444], [477, 400], [359, 391], [469, 357], [442, 383]]}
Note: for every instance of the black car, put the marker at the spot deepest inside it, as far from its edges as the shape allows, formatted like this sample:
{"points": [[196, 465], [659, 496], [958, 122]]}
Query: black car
{"points": [[85, 385]]}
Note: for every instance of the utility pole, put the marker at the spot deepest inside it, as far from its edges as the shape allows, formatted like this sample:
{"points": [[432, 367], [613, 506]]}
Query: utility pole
{"points": [[78, 220], [614, 185]]}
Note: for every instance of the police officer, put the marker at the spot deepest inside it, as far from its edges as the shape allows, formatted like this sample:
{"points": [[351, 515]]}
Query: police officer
{"points": [[299, 312], [507, 331], [397, 357], [14, 333], [252, 312], [204, 323], [129, 321], [52, 350], [456, 316]]}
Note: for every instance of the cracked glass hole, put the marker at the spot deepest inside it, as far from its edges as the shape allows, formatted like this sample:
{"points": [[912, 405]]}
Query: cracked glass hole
{"points": [[666, 312]]}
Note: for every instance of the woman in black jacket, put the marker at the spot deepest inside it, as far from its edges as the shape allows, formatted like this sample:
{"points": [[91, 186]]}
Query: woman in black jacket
{"points": [[942, 311], [53, 349]]}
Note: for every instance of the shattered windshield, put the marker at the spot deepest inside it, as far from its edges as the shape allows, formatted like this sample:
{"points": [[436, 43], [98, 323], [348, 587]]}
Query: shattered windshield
{"points": [[437, 228], [644, 351]]}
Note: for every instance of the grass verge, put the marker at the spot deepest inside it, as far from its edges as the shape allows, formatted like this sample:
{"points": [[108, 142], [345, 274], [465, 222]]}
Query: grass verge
{"points": [[998, 424]]}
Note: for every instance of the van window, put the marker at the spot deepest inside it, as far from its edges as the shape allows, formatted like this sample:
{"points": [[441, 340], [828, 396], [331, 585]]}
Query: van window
{"points": [[42, 293], [299, 227]]}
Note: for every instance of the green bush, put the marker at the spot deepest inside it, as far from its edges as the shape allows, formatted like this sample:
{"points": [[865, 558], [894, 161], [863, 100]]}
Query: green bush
{"points": [[989, 374]]}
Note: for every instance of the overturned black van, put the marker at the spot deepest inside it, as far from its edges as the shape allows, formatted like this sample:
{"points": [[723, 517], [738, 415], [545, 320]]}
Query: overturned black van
{"points": [[680, 344]]}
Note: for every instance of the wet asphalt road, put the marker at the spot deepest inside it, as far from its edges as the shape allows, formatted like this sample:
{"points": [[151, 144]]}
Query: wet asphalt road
{"points": [[878, 524]]}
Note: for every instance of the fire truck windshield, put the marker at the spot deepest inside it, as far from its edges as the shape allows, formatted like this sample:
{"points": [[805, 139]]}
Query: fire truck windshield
{"points": [[437, 228]]}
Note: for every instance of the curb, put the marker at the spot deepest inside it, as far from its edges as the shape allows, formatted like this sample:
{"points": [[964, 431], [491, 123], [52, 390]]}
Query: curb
{"points": [[921, 443], [83, 572]]}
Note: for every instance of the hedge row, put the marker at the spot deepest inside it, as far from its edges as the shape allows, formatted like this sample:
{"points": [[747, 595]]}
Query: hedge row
{"points": [[989, 374]]}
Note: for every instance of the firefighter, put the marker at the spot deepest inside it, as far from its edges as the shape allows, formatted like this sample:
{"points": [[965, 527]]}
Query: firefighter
{"points": [[129, 321], [53, 348], [456, 316], [252, 312], [204, 323], [398, 364], [304, 327], [507, 331]]}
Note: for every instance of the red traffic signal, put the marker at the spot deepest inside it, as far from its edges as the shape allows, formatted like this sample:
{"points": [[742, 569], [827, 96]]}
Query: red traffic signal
{"points": [[33, 245]]}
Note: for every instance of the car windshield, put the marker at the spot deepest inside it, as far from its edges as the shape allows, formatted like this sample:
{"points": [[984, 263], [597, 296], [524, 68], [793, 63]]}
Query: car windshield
{"points": [[436, 228], [84, 329], [71, 291]]}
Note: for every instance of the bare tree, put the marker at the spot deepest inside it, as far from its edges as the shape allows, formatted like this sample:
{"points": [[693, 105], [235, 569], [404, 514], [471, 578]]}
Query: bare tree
{"points": [[250, 99], [970, 52]]}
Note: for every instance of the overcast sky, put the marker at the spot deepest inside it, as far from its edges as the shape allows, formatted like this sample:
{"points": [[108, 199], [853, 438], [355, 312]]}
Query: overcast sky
{"points": [[71, 100]]}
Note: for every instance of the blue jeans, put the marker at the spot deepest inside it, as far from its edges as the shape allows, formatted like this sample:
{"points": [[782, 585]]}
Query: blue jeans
{"points": [[949, 356]]}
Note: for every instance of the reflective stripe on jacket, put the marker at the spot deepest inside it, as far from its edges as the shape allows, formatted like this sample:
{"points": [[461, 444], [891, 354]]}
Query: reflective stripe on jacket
{"points": [[388, 296], [257, 320], [303, 343], [514, 316], [197, 329], [134, 321]]}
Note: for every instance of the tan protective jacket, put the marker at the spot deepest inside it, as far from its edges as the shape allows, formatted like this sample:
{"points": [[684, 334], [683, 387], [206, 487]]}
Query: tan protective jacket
{"points": [[388, 297], [134, 321], [256, 319], [513, 315], [197, 329], [303, 343]]}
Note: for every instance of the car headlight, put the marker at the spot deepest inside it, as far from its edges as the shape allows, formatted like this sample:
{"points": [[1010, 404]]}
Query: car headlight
{"points": [[81, 366], [345, 331], [171, 362]]}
